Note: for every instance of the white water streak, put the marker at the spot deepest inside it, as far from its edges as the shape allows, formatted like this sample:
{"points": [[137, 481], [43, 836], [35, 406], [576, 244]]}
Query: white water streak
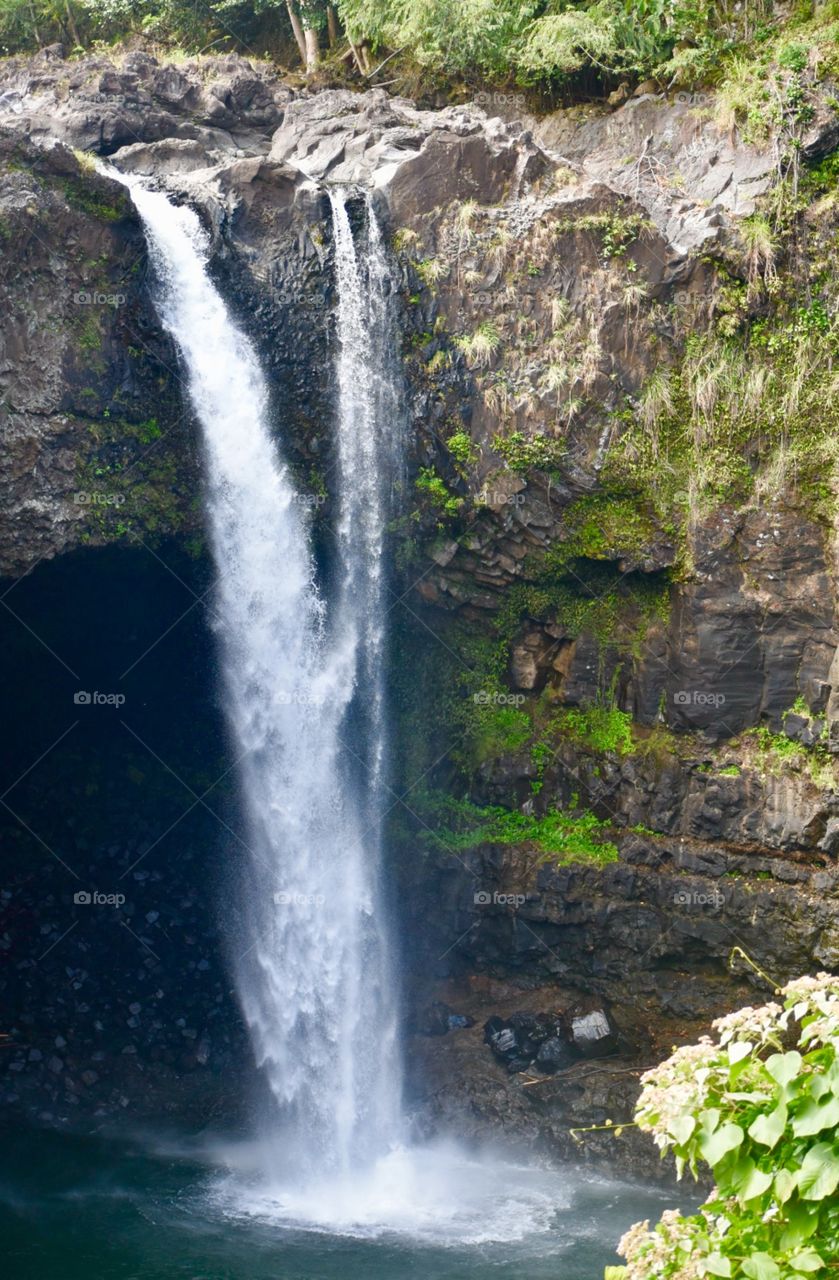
{"points": [[305, 701]]}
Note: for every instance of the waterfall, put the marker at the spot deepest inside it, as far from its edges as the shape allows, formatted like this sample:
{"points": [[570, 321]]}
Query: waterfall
{"points": [[304, 697]]}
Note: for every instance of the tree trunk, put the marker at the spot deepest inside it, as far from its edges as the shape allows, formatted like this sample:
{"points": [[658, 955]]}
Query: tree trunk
{"points": [[71, 23], [332, 25], [298, 31], [312, 50], [35, 30]]}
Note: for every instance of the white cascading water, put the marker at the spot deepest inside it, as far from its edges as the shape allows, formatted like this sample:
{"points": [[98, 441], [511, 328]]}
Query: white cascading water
{"points": [[305, 702]]}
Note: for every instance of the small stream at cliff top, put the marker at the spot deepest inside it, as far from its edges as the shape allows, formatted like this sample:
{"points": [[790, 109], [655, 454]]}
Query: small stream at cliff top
{"points": [[332, 1183]]}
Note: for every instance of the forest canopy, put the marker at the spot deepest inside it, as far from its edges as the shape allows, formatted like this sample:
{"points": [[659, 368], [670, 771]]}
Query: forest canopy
{"points": [[541, 43]]}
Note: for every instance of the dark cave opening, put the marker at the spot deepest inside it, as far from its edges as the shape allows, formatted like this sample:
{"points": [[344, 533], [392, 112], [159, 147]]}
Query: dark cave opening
{"points": [[119, 828]]}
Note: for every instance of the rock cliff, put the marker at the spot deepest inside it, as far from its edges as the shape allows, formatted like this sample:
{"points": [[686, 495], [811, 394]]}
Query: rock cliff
{"points": [[617, 589]]}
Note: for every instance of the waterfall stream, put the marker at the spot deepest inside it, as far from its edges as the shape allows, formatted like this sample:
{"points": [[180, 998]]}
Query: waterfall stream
{"points": [[305, 700]]}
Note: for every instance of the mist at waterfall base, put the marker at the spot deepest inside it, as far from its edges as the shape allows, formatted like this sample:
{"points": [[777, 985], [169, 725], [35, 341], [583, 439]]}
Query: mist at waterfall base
{"points": [[332, 1172]]}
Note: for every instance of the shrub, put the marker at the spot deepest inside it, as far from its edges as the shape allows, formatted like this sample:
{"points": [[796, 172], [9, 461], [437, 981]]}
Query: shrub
{"points": [[760, 1108]]}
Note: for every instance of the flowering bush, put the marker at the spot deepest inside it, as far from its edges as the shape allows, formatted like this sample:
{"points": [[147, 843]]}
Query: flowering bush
{"points": [[761, 1108]]}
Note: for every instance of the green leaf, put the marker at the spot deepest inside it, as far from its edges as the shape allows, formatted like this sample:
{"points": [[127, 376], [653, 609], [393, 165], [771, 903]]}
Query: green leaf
{"points": [[807, 1260], [717, 1265], [767, 1129], [682, 1128], [816, 1116], [819, 1174], [784, 1067], [784, 1185], [761, 1267], [747, 1180], [614, 1273], [716, 1145], [801, 1223], [710, 1119]]}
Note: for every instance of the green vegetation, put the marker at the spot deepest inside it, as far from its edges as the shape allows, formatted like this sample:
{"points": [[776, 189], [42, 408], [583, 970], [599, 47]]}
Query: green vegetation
{"points": [[562, 836], [480, 346], [82, 193], [429, 483], [617, 231], [542, 41], [596, 729], [461, 447], [777, 753], [760, 1109], [765, 62], [522, 452]]}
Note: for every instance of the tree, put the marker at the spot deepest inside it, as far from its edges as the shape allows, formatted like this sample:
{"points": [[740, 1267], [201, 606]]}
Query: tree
{"points": [[307, 20]]}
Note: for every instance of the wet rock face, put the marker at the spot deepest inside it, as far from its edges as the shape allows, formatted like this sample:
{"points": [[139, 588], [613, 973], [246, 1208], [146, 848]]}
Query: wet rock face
{"points": [[88, 380]]}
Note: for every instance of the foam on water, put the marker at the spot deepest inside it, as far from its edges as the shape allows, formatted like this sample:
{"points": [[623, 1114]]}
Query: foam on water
{"points": [[432, 1195]]}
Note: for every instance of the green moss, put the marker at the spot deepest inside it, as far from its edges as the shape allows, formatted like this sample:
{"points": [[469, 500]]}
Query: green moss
{"points": [[596, 729], [499, 731], [563, 837], [429, 483], [90, 334], [461, 447], [521, 452], [87, 197]]}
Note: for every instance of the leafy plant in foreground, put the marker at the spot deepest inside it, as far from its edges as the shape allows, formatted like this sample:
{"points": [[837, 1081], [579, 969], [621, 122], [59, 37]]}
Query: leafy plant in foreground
{"points": [[761, 1109]]}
